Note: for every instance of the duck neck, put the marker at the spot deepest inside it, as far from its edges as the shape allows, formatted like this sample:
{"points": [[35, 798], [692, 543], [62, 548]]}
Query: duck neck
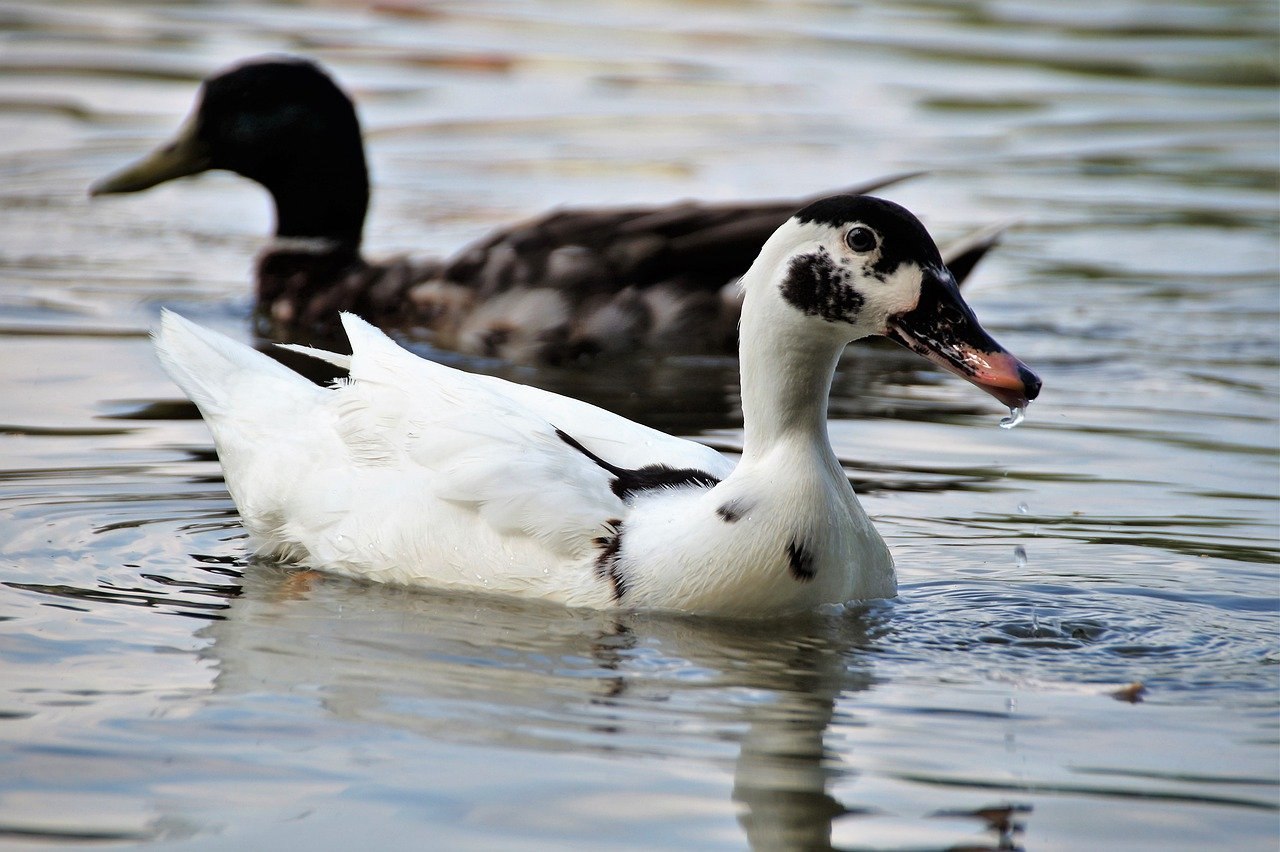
{"points": [[315, 171], [786, 379], [322, 200]]}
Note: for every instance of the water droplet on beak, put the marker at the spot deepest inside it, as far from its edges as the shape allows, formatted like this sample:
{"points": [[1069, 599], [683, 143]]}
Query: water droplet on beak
{"points": [[1016, 416]]}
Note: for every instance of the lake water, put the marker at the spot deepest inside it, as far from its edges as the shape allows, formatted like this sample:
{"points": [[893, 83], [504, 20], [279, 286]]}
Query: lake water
{"points": [[157, 688]]}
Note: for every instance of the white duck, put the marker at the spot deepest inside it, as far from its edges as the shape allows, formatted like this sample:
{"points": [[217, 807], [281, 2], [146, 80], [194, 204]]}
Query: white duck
{"points": [[415, 473]]}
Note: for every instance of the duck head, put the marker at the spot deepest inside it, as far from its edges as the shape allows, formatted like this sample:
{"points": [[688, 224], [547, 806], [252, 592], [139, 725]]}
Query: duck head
{"points": [[279, 121], [859, 266]]}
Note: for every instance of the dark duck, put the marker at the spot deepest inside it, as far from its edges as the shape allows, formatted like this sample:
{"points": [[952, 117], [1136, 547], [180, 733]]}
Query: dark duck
{"points": [[568, 285]]}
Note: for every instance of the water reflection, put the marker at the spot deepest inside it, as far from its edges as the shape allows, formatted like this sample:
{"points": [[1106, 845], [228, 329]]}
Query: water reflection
{"points": [[760, 697], [513, 674]]}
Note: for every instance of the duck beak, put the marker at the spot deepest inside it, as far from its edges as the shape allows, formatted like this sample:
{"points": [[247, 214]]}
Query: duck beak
{"points": [[942, 328], [185, 154]]}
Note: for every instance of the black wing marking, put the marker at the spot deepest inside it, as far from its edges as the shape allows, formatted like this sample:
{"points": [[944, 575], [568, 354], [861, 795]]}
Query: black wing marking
{"points": [[800, 562], [627, 481], [608, 566]]}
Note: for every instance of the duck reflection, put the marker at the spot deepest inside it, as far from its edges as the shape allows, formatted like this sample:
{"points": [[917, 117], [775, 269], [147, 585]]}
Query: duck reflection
{"points": [[530, 676], [757, 700]]}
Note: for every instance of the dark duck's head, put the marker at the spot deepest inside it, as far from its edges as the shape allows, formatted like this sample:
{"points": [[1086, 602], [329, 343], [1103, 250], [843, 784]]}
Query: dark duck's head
{"points": [[279, 121]]}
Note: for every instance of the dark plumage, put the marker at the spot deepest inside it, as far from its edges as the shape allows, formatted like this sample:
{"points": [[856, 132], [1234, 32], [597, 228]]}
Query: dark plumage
{"points": [[800, 562], [628, 482], [570, 284]]}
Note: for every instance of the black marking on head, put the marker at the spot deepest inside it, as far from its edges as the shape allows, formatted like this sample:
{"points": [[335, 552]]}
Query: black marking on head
{"points": [[902, 237], [732, 511], [800, 562], [819, 287], [608, 565], [651, 477]]}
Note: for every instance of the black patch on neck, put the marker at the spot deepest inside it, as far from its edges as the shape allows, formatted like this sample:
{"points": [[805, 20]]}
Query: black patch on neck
{"points": [[732, 511], [819, 287], [651, 477], [607, 564], [800, 562]]}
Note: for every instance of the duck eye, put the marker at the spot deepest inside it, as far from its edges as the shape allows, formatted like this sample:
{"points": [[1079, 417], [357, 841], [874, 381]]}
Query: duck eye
{"points": [[860, 239]]}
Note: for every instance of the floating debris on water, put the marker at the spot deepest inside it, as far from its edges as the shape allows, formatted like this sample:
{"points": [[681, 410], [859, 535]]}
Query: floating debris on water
{"points": [[1131, 693], [1020, 556], [1001, 818]]}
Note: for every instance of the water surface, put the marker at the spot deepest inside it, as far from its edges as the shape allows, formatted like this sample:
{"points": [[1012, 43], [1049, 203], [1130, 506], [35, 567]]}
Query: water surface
{"points": [[1084, 651]]}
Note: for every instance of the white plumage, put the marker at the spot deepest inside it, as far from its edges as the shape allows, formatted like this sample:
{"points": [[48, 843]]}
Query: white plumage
{"points": [[411, 472]]}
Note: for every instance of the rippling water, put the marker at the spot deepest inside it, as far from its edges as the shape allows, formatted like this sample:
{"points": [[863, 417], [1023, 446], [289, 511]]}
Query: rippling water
{"points": [[1084, 652]]}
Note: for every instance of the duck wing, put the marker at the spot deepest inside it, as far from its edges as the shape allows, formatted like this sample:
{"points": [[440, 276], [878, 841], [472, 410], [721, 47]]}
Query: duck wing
{"points": [[585, 252], [379, 361], [527, 462], [580, 283], [409, 471]]}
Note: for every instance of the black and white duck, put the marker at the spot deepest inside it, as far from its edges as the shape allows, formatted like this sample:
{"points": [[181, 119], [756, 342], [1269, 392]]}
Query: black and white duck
{"points": [[569, 284], [411, 472]]}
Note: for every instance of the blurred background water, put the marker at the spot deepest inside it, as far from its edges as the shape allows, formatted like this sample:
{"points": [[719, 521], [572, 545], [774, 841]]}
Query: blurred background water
{"points": [[157, 688]]}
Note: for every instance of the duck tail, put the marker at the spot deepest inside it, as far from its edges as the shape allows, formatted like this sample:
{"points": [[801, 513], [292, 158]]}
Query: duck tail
{"points": [[212, 369]]}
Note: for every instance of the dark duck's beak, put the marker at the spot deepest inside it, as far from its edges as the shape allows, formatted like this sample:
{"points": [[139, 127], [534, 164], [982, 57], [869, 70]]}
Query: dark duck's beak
{"points": [[943, 329], [185, 154]]}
